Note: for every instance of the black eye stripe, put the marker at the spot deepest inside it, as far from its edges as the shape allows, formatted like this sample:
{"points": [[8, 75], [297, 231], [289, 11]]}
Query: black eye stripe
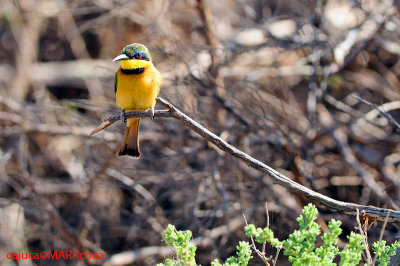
{"points": [[140, 56], [145, 57]]}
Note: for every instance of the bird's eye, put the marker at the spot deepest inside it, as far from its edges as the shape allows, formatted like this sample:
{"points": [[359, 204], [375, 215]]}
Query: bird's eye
{"points": [[138, 55]]}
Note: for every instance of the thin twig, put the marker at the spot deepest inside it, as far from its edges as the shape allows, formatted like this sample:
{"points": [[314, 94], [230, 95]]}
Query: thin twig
{"points": [[381, 109], [259, 253], [350, 208], [380, 239], [267, 214], [364, 235]]}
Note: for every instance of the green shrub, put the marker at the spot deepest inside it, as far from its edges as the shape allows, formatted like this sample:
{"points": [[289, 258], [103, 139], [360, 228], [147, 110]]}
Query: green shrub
{"points": [[384, 252], [299, 247]]}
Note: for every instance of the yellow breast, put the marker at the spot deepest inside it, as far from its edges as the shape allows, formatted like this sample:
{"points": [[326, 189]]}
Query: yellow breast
{"points": [[138, 92]]}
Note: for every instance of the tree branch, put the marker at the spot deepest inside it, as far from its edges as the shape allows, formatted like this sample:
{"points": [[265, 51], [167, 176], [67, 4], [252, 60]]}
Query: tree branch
{"points": [[378, 214]]}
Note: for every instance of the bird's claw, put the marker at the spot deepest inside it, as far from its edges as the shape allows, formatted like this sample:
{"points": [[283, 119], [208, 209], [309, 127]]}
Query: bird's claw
{"points": [[152, 113], [123, 116]]}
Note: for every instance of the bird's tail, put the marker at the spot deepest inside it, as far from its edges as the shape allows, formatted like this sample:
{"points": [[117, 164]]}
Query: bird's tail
{"points": [[130, 145]]}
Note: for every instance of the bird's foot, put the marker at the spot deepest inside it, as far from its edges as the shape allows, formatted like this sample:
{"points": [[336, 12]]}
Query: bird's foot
{"points": [[152, 113], [123, 116]]}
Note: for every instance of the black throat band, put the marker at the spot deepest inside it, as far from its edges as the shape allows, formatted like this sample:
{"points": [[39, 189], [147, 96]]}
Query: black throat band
{"points": [[138, 70]]}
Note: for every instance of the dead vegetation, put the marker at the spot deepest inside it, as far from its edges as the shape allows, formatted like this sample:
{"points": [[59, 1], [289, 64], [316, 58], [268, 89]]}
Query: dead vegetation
{"points": [[311, 88]]}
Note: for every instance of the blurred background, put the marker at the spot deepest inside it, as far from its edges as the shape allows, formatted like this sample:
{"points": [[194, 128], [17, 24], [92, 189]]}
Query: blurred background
{"points": [[295, 84]]}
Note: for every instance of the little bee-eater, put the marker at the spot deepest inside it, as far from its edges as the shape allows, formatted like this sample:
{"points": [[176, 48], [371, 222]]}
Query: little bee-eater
{"points": [[136, 83]]}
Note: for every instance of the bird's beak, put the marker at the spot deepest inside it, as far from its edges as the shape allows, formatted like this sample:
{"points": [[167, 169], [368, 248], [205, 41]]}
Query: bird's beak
{"points": [[121, 57]]}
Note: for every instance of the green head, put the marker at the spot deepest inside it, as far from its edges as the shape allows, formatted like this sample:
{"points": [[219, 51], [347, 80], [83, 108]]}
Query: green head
{"points": [[134, 51]]}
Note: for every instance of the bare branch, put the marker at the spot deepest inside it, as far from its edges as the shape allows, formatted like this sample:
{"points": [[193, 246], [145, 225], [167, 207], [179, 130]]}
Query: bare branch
{"points": [[379, 214], [383, 110]]}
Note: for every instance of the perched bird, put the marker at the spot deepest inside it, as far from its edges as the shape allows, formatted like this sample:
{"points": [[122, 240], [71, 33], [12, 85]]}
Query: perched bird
{"points": [[137, 83]]}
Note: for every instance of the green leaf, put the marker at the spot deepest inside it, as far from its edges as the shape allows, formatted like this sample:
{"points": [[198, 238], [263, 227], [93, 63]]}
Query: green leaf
{"points": [[351, 254], [384, 252]]}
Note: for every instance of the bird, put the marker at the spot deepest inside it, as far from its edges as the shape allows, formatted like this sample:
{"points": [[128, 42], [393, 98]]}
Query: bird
{"points": [[137, 84]]}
